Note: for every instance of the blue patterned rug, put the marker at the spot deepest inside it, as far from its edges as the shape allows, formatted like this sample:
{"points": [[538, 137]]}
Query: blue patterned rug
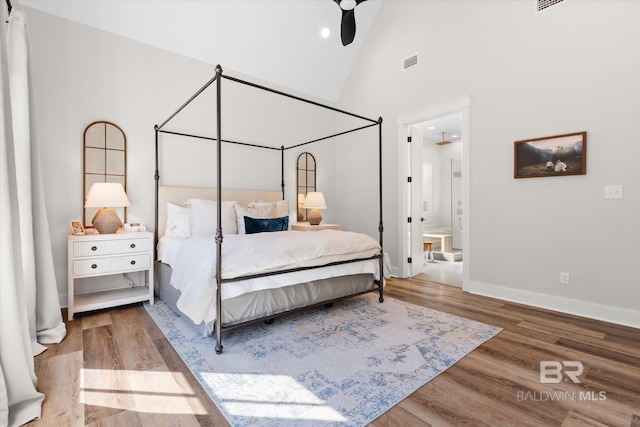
{"points": [[339, 366]]}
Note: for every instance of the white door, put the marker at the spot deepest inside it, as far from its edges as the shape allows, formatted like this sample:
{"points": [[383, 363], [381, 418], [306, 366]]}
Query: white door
{"points": [[416, 198]]}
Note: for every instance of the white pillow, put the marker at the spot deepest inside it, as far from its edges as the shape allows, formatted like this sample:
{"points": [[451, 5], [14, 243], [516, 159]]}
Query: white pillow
{"points": [[204, 219], [255, 210], [178, 223], [280, 208]]}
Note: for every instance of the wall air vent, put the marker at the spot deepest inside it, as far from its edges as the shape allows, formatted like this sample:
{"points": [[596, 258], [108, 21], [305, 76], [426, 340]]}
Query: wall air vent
{"points": [[545, 4], [410, 62]]}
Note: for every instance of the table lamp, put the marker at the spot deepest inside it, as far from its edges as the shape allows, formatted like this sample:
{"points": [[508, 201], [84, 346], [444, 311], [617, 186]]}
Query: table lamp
{"points": [[106, 195], [314, 201]]}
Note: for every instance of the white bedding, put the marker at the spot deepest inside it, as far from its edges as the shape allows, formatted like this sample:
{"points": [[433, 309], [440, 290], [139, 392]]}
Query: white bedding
{"points": [[245, 254], [168, 249]]}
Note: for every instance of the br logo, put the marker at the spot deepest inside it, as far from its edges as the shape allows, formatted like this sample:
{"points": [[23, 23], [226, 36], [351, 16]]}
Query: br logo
{"points": [[553, 372]]}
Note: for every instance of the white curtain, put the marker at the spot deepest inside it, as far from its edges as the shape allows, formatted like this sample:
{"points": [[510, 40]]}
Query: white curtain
{"points": [[29, 308]]}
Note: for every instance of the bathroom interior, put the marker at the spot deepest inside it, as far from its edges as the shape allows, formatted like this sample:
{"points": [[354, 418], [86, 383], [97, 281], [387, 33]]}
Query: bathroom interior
{"points": [[442, 204]]}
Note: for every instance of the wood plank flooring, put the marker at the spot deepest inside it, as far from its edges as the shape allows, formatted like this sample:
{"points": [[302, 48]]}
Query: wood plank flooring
{"points": [[115, 368]]}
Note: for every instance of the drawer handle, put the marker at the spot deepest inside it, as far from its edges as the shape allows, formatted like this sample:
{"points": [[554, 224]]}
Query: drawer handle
{"points": [[94, 266], [94, 248], [133, 245], [133, 262]]}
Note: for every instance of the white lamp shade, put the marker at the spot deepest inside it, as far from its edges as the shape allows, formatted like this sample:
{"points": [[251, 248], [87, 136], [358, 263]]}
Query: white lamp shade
{"points": [[314, 200], [106, 194]]}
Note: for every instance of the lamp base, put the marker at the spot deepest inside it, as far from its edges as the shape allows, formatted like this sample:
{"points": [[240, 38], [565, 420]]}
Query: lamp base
{"points": [[106, 221], [314, 216]]}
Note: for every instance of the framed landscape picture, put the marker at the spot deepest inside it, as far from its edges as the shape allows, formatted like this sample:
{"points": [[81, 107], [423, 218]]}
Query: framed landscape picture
{"points": [[551, 156]]}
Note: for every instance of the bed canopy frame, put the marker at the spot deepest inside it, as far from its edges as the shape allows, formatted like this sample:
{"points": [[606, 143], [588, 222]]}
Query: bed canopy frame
{"points": [[218, 79]]}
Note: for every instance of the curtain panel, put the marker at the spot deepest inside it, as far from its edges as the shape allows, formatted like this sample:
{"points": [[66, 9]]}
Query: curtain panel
{"points": [[29, 307]]}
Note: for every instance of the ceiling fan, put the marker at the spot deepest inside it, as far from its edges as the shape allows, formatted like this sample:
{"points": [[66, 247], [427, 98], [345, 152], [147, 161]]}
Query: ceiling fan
{"points": [[443, 142], [348, 25]]}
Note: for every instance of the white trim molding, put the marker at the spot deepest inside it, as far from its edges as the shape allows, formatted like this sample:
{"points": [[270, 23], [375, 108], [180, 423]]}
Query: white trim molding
{"points": [[586, 309]]}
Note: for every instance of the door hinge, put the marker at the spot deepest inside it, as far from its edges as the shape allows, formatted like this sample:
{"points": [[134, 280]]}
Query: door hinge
{"points": [[409, 219], [409, 179], [408, 139], [409, 260]]}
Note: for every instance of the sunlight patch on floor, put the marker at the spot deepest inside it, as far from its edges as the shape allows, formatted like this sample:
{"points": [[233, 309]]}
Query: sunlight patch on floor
{"points": [[269, 396], [140, 391]]}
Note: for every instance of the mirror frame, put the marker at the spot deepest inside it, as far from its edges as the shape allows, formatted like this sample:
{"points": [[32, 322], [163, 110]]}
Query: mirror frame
{"points": [[306, 167], [104, 154]]}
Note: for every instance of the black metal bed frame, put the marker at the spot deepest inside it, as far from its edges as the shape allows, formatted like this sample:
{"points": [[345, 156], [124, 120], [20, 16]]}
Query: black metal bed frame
{"points": [[219, 327]]}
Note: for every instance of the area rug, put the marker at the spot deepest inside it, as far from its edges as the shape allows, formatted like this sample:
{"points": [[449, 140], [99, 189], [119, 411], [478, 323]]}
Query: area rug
{"points": [[340, 366]]}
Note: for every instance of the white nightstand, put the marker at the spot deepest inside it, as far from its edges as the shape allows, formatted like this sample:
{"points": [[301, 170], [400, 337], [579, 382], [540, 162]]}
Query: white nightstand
{"points": [[94, 257], [305, 226]]}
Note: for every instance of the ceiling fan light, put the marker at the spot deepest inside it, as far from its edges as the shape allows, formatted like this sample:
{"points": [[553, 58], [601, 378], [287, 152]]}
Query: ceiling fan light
{"points": [[347, 4], [325, 33]]}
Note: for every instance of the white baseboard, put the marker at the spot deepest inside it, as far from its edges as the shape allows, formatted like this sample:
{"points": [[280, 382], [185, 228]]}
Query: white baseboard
{"points": [[606, 313]]}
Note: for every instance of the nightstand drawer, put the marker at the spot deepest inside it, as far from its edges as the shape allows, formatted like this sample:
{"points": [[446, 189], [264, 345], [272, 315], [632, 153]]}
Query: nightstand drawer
{"points": [[121, 264], [107, 247]]}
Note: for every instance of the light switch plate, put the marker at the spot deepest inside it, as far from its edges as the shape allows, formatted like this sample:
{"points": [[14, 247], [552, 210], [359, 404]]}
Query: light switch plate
{"points": [[613, 192]]}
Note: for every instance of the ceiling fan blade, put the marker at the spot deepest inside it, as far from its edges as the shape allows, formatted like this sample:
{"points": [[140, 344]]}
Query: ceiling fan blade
{"points": [[348, 27]]}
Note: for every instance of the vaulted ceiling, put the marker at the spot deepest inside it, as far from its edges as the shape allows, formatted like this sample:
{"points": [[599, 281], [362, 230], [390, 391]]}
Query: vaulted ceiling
{"points": [[278, 41]]}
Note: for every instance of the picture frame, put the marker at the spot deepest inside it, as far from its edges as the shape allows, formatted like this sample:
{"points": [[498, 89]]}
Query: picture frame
{"points": [[77, 229], [557, 155]]}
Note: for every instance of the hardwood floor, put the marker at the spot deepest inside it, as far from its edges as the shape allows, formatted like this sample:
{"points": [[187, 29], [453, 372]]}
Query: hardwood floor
{"points": [[445, 272], [115, 368]]}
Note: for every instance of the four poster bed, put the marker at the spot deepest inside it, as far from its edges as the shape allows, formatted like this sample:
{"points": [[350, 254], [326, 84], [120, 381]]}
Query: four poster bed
{"points": [[226, 258]]}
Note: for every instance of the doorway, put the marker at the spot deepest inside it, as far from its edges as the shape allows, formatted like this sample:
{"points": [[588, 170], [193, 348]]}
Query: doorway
{"points": [[441, 201], [433, 198]]}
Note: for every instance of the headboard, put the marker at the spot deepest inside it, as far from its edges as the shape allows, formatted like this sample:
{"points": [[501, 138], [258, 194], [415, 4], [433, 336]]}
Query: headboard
{"points": [[179, 195]]}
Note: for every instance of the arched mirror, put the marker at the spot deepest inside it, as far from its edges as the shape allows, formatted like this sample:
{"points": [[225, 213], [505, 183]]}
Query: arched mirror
{"points": [[105, 160], [306, 180]]}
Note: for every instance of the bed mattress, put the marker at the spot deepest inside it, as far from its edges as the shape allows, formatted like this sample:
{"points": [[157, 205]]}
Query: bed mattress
{"points": [[193, 264], [266, 302]]}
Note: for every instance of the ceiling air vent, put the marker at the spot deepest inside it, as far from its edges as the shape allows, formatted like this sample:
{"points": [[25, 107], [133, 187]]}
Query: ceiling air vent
{"points": [[545, 4], [410, 62]]}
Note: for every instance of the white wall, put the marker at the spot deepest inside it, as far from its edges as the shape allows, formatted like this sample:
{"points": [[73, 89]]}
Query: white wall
{"points": [[572, 68], [80, 74]]}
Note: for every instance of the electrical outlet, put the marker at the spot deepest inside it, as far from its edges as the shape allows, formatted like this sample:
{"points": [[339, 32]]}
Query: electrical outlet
{"points": [[613, 192], [564, 278]]}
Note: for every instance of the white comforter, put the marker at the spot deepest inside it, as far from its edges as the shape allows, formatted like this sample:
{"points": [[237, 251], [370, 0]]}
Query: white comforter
{"points": [[245, 254]]}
